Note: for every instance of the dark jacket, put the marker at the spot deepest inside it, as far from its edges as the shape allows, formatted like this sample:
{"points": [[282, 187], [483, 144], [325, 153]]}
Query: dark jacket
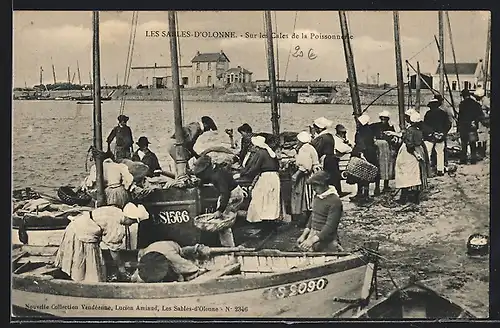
{"points": [[324, 144], [149, 159], [260, 162], [246, 143], [438, 120], [379, 128], [469, 111], [364, 143], [223, 181], [123, 136]]}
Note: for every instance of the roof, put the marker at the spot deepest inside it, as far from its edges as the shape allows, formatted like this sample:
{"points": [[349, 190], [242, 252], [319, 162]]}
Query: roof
{"points": [[159, 67], [462, 68], [424, 74], [210, 57], [238, 70]]}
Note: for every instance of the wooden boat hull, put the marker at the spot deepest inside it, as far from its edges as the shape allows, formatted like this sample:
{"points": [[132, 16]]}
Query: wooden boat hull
{"points": [[297, 293], [415, 301]]}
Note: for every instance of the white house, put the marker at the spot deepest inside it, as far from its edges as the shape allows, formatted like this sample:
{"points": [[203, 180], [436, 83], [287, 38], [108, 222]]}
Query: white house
{"points": [[470, 76]]}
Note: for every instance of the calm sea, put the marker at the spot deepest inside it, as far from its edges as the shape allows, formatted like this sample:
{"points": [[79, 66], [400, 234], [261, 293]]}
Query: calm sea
{"points": [[51, 138]]}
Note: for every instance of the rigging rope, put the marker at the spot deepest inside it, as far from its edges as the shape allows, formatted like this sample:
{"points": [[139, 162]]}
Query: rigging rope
{"points": [[291, 45], [133, 30], [415, 55]]}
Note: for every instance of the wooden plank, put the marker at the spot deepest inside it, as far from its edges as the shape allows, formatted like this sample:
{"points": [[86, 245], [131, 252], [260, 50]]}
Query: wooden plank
{"points": [[34, 259], [367, 283], [250, 264], [41, 271], [217, 273], [18, 257]]}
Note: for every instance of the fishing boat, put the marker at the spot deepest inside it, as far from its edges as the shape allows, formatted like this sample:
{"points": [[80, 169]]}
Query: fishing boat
{"points": [[258, 99], [414, 301], [238, 283]]}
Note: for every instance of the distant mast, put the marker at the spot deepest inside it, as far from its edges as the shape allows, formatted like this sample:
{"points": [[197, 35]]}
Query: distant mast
{"points": [[41, 76], [78, 70], [417, 88], [271, 69], [54, 74], [101, 200], [441, 53], [351, 70], [399, 71]]}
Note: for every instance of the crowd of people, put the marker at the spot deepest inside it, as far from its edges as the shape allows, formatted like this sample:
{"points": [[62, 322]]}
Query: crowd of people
{"points": [[409, 157]]}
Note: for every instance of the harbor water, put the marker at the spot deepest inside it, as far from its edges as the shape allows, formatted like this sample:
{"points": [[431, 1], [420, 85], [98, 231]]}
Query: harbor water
{"points": [[51, 138]]}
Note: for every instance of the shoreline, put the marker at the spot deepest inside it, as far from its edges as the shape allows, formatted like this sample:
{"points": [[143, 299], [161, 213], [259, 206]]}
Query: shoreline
{"points": [[341, 97]]}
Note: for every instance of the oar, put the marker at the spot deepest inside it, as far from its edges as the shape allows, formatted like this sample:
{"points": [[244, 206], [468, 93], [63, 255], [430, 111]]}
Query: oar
{"points": [[222, 250]]}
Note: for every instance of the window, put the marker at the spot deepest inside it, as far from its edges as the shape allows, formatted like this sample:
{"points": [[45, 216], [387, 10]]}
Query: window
{"points": [[197, 65], [209, 66], [454, 85], [232, 77], [198, 79], [209, 80]]}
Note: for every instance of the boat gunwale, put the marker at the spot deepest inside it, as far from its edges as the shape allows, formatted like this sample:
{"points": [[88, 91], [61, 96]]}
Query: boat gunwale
{"points": [[111, 290], [425, 288]]}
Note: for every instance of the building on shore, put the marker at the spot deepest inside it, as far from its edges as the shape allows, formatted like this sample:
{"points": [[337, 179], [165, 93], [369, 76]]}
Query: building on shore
{"points": [[206, 70], [470, 76], [427, 77]]}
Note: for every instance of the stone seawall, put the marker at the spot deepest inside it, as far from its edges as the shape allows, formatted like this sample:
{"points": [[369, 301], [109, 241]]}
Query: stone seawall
{"points": [[341, 97]]}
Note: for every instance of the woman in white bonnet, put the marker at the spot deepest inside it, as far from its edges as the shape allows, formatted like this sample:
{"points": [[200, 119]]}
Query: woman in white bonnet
{"points": [[307, 163], [80, 255], [265, 204]]}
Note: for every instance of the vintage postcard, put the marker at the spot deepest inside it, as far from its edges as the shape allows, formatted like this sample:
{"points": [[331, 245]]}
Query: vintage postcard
{"points": [[260, 164]]}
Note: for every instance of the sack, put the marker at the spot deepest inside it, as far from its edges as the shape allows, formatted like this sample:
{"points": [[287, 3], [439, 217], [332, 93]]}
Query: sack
{"points": [[361, 169], [138, 170]]}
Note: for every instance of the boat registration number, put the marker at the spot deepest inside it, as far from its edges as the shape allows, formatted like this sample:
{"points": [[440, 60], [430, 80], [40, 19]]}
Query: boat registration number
{"points": [[296, 289], [173, 217]]}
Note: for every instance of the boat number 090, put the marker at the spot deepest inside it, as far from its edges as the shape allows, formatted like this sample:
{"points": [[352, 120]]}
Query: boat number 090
{"points": [[173, 217], [300, 288]]}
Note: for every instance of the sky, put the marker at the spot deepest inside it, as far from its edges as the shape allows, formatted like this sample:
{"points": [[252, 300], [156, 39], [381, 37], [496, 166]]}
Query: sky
{"points": [[41, 39]]}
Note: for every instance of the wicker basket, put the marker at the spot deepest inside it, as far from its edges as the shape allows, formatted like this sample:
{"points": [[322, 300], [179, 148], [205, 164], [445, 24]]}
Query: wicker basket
{"points": [[361, 169], [69, 197], [206, 222]]}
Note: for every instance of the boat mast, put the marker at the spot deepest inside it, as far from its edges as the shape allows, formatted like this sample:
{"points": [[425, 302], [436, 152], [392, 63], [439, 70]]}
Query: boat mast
{"points": [[69, 76], [272, 74], [54, 74], [351, 70], [487, 55], [441, 53], [399, 72], [41, 76], [78, 70], [101, 200], [180, 160], [417, 89]]}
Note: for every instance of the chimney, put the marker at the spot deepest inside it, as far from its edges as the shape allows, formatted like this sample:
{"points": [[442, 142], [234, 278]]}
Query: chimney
{"points": [[197, 52], [221, 52], [239, 66]]}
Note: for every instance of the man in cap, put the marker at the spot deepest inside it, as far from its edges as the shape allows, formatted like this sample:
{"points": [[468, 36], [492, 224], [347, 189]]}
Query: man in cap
{"points": [[324, 143], [439, 123], [320, 235], [231, 195], [146, 156], [469, 116], [122, 134], [166, 261]]}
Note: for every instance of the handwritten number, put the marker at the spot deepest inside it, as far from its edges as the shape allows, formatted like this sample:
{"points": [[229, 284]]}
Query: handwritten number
{"points": [[298, 52], [311, 55]]}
